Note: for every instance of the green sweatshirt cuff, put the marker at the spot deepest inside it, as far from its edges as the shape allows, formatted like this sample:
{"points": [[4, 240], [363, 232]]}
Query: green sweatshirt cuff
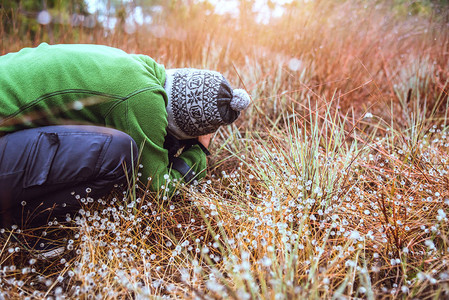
{"points": [[195, 158]]}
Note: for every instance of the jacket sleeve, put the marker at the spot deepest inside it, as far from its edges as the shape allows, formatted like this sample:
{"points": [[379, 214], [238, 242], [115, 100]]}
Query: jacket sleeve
{"points": [[144, 118]]}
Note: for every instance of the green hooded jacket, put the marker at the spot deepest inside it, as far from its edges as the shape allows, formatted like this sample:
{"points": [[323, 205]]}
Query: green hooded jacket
{"points": [[97, 85]]}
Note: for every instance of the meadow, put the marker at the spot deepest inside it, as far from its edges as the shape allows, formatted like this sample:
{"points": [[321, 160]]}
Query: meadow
{"points": [[333, 184]]}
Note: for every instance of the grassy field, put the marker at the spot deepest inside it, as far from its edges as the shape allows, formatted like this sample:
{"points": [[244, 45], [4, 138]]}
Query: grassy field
{"points": [[333, 183]]}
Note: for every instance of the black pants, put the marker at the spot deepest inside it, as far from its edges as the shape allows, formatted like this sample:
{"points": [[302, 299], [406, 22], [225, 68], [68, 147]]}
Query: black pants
{"points": [[44, 172]]}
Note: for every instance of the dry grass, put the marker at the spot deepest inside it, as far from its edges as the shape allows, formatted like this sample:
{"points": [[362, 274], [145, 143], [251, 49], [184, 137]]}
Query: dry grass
{"points": [[334, 183]]}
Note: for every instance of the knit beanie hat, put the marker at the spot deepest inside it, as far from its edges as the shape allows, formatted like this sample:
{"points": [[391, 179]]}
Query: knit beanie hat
{"points": [[200, 101]]}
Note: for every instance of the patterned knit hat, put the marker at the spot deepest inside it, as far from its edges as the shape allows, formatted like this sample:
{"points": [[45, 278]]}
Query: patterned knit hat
{"points": [[200, 101]]}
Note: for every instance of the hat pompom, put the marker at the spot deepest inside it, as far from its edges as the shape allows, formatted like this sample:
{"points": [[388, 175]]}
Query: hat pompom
{"points": [[240, 100]]}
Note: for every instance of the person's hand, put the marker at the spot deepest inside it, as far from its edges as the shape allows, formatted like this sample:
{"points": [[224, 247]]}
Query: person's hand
{"points": [[205, 139]]}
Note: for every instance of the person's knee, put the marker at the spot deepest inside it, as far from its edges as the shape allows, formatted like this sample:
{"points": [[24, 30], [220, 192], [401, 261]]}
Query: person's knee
{"points": [[121, 156]]}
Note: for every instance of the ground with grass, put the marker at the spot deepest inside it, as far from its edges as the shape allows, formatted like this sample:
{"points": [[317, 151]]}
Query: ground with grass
{"points": [[332, 184]]}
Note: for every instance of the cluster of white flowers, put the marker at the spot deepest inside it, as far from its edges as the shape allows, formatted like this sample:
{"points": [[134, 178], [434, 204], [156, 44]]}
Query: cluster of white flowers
{"points": [[292, 211]]}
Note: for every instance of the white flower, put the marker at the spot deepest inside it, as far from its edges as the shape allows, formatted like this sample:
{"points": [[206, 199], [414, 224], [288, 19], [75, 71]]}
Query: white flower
{"points": [[266, 262], [355, 235], [441, 215], [294, 64], [430, 244]]}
